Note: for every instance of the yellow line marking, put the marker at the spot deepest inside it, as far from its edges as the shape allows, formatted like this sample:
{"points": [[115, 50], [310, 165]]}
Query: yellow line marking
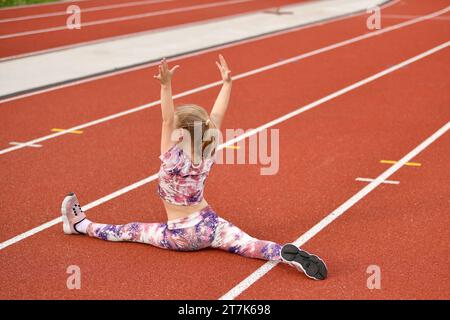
{"points": [[232, 147], [411, 164], [74, 131]]}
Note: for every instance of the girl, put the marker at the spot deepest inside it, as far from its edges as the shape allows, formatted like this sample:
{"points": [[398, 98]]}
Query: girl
{"points": [[186, 159]]}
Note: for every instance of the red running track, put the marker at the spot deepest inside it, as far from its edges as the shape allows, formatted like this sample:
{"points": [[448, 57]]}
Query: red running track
{"points": [[17, 37], [137, 88], [322, 152]]}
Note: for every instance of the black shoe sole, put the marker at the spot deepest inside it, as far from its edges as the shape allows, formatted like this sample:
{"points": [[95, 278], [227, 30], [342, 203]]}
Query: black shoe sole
{"points": [[311, 265]]}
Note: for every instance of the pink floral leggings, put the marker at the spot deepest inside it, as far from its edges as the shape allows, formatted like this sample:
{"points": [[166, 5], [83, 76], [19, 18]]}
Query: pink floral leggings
{"points": [[200, 230]]}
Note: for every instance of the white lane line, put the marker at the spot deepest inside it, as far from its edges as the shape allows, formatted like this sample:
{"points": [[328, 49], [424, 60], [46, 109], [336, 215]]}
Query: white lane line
{"points": [[25, 144], [241, 137], [84, 10], [183, 56], [236, 77], [261, 271], [407, 16], [126, 18], [90, 205], [370, 180]]}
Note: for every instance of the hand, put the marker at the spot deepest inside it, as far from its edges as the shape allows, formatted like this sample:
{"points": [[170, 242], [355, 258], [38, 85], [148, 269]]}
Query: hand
{"points": [[224, 70], [165, 74]]}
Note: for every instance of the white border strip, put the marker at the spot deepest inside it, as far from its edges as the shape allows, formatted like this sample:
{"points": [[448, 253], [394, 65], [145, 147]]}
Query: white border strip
{"points": [[407, 16], [249, 133], [236, 77], [261, 271], [370, 180], [15, 143]]}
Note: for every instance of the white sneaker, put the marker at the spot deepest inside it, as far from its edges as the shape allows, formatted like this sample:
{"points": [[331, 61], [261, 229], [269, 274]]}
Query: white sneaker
{"points": [[71, 214]]}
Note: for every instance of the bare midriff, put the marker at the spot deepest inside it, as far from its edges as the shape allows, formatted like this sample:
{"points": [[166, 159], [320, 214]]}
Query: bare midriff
{"points": [[176, 211]]}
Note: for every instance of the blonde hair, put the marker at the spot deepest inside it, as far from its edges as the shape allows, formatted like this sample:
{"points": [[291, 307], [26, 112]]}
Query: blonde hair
{"points": [[194, 118]]}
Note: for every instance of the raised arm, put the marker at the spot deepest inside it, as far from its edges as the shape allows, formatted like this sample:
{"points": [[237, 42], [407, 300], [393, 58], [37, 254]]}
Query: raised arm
{"points": [[220, 106], [167, 108]]}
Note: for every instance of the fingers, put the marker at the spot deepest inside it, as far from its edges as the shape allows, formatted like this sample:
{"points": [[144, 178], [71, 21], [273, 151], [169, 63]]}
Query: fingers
{"points": [[162, 66], [158, 76], [164, 73], [165, 67], [223, 62], [174, 68], [219, 66]]}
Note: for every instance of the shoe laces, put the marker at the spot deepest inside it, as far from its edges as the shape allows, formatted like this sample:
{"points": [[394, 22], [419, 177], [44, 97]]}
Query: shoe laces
{"points": [[77, 209]]}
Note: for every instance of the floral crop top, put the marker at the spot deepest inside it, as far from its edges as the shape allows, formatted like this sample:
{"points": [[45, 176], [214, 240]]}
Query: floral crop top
{"points": [[180, 182]]}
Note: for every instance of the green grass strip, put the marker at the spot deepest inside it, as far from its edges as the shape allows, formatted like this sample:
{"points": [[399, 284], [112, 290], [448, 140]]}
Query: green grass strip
{"points": [[11, 3]]}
